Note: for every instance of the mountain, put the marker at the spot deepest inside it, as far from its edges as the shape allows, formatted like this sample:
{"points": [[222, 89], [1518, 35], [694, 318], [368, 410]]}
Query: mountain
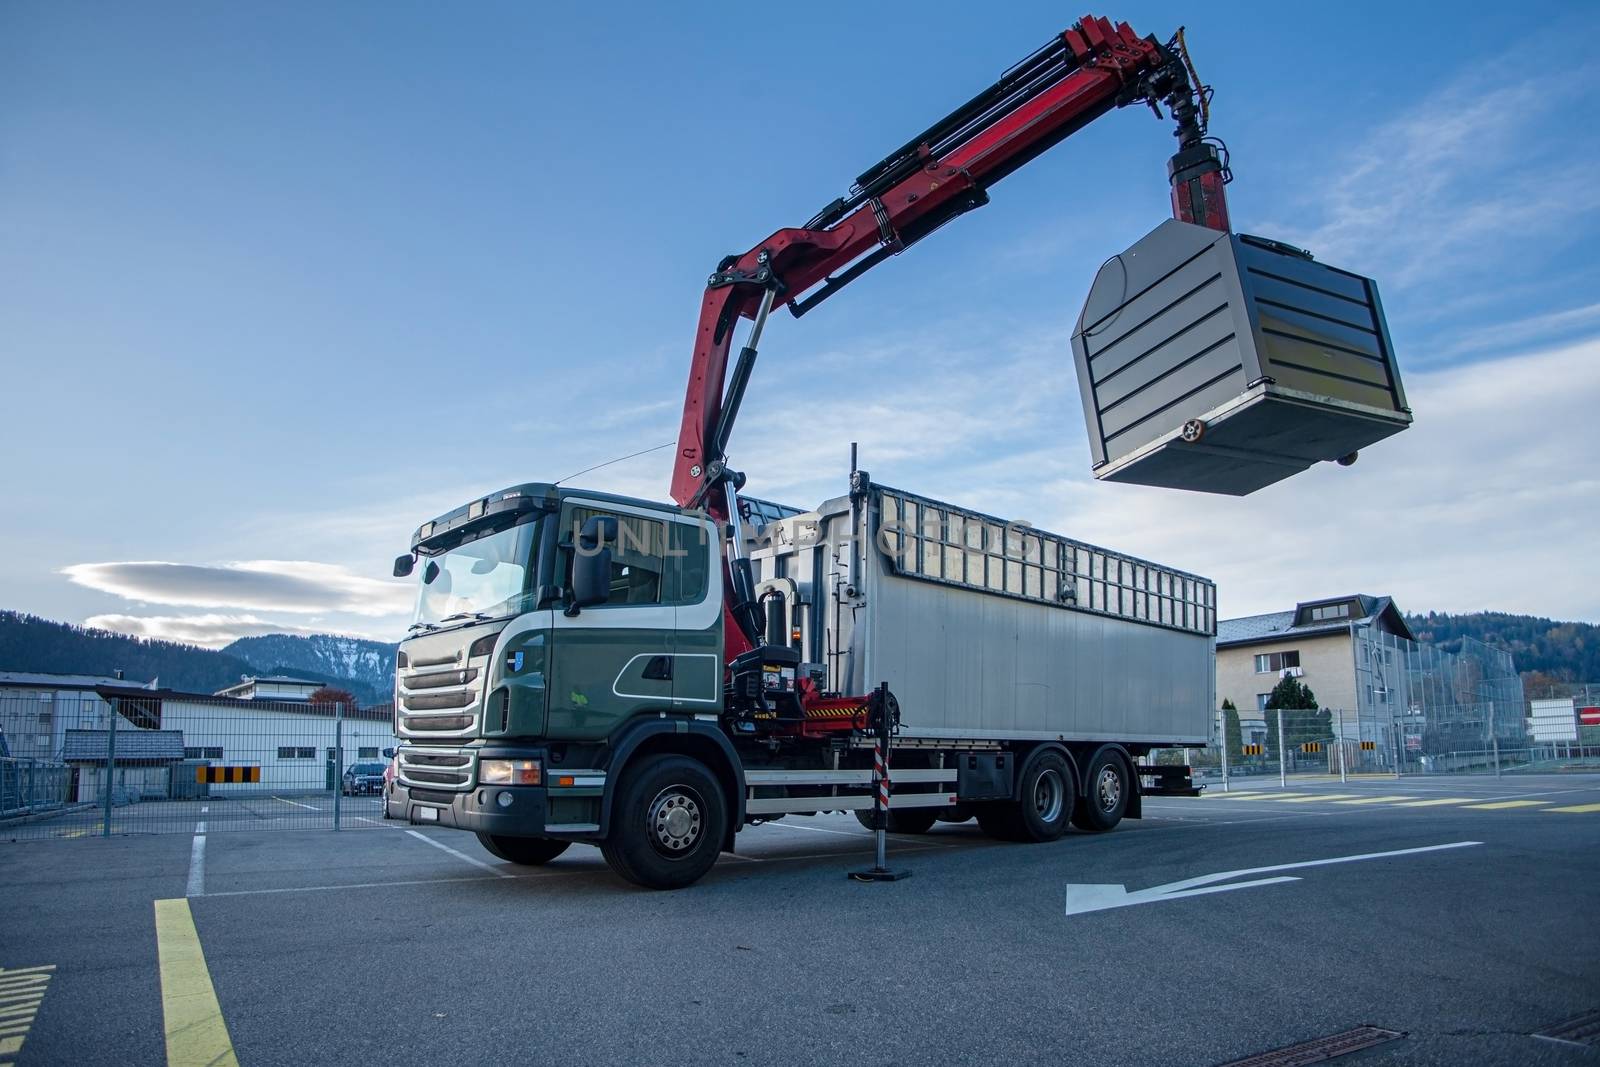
{"points": [[30, 643], [367, 664], [1551, 656]]}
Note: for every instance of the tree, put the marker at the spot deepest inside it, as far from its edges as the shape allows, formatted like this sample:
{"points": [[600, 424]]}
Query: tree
{"points": [[1231, 736], [1292, 695], [332, 695]]}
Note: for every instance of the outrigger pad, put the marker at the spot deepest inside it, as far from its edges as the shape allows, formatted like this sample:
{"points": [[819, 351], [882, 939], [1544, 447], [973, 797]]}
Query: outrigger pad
{"points": [[1221, 363]]}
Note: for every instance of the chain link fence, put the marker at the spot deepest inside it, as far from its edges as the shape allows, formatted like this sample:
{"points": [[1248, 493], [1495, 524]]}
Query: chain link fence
{"points": [[127, 761]]}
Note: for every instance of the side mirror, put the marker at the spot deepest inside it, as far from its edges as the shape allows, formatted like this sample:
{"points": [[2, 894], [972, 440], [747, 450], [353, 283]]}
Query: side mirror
{"points": [[388, 753], [403, 565], [591, 563]]}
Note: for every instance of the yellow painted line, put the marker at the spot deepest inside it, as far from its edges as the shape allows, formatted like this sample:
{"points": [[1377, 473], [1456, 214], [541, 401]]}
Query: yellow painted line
{"points": [[1377, 800], [1582, 808], [21, 993], [1434, 803], [196, 1032], [1507, 804], [1302, 798]]}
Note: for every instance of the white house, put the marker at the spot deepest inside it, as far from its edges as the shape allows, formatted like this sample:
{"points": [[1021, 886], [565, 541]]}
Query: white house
{"points": [[270, 688]]}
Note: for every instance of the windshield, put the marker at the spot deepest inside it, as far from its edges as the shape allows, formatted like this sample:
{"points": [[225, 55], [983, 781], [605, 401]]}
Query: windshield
{"points": [[367, 768], [485, 578]]}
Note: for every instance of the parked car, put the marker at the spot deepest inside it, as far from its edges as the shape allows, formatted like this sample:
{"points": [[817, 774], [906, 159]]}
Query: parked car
{"points": [[363, 778], [390, 772]]}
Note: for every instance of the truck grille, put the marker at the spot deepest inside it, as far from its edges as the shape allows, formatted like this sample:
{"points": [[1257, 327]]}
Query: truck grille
{"points": [[438, 704], [436, 768]]}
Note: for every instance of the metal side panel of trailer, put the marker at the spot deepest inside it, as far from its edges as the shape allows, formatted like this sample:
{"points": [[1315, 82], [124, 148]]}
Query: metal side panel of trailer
{"points": [[991, 630]]}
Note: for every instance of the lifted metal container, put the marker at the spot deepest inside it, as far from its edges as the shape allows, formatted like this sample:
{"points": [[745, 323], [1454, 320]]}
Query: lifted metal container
{"points": [[1221, 363]]}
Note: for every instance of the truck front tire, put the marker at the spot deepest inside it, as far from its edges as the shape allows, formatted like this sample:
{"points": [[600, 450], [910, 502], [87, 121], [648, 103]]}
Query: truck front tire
{"points": [[1044, 810], [1107, 798], [667, 823], [528, 851]]}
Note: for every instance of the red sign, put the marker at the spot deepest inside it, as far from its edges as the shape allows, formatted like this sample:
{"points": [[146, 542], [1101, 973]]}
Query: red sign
{"points": [[1589, 716]]}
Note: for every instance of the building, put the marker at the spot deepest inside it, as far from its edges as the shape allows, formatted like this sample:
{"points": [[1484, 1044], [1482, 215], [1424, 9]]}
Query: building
{"points": [[270, 688], [294, 746], [1394, 702], [1315, 642], [37, 709], [145, 762]]}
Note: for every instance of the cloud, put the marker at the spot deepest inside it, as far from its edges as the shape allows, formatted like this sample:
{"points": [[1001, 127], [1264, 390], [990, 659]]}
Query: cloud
{"points": [[211, 631], [252, 585], [1468, 180]]}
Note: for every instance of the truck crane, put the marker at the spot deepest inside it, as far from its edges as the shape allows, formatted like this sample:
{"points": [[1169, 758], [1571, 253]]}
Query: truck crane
{"points": [[652, 677]]}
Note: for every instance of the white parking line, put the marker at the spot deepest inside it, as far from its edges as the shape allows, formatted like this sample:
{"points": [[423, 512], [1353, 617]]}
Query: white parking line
{"points": [[197, 863], [297, 804], [461, 855]]}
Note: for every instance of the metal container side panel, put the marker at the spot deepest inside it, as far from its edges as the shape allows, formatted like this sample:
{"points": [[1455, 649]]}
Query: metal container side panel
{"points": [[963, 663], [1164, 335]]}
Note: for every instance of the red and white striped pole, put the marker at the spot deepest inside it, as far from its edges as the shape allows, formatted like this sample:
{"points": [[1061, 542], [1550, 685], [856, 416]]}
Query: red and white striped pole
{"points": [[880, 871]]}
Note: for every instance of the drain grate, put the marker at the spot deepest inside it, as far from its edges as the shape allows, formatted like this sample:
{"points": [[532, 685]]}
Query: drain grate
{"points": [[1584, 1030], [1319, 1049]]}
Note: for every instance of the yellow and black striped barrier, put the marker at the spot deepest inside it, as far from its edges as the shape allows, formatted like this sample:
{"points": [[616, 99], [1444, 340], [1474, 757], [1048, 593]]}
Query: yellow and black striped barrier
{"points": [[1311, 747], [227, 775], [1254, 750], [1369, 746]]}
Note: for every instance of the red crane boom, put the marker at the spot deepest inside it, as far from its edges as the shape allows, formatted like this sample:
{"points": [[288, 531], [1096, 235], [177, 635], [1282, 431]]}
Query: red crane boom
{"points": [[1089, 69]]}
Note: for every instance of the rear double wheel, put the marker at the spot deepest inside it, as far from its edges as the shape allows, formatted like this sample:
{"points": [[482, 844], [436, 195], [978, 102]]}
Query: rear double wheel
{"points": [[667, 824], [528, 851], [1044, 809], [1107, 795]]}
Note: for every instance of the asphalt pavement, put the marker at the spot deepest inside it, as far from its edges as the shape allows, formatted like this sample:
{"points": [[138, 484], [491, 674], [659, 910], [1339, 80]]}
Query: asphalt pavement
{"points": [[1460, 912]]}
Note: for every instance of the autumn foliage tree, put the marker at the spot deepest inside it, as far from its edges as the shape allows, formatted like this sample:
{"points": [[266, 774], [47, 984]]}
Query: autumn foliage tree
{"points": [[329, 694]]}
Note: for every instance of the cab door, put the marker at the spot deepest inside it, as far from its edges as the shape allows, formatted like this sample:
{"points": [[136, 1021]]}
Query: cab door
{"points": [[612, 661], [695, 591]]}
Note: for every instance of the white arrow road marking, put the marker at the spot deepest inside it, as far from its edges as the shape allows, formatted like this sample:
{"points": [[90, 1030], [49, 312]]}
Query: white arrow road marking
{"points": [[1082, 898]]}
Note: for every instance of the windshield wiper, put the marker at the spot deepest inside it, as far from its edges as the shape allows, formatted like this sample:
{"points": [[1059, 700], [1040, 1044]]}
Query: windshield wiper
{"points": [[476, 616], [425, 627]]}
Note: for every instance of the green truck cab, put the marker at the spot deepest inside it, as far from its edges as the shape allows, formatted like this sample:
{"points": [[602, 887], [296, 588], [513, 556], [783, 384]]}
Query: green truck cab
{"points": [[559, 634]]}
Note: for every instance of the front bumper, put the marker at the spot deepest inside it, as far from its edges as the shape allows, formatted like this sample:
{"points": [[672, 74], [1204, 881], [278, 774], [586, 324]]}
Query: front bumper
{"points": [[479, 810]]}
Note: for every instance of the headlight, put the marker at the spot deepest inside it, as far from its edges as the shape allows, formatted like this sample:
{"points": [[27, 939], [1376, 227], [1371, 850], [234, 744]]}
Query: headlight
{"points": [[509, 772], [483, 646]]}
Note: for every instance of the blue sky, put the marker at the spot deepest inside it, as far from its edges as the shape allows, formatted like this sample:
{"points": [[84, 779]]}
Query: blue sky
{"points": [[278, 283]]}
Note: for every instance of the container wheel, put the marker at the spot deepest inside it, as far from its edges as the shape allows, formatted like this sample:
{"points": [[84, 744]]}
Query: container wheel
{"points": [[906, 821], [1107, 797], [1043, 811], [528, 851], [667, 823]]}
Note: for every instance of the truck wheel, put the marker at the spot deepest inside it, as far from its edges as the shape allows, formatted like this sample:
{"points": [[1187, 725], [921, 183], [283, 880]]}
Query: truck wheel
{"points": [[667, 824], [528, 851], [909, 821], [1102, 809], [1045, 807]]}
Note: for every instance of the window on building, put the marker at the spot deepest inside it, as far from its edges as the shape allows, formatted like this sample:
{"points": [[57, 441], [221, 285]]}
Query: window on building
{"points": [[43, 740], [1325, 612], [367, 753], [1273, 662], [1261, 701], [293, 752], [198, 752], [44, 718]]}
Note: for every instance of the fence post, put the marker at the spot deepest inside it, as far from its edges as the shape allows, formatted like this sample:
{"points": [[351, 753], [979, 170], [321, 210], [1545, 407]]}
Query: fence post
{"points": [[1495, 740], [1283, 775], [1223, 716], [1342, 777], [111, 765], [338, 759]]}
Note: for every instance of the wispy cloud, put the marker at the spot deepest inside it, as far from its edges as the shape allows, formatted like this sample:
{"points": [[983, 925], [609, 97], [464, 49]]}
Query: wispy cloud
{"points": [[253, 585], [1468, 180], [210, 631]]}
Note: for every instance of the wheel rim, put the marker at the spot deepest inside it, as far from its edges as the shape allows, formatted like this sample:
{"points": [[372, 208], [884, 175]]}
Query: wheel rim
{"points": [[1109, 789], [1048, 795], [675, 820]]}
